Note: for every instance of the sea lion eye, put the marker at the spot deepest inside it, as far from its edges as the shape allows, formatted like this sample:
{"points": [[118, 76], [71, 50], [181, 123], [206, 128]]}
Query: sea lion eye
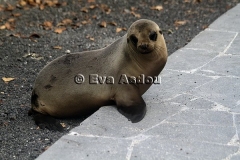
{"points": [[134, 39], [153, 36], [160, 31]]}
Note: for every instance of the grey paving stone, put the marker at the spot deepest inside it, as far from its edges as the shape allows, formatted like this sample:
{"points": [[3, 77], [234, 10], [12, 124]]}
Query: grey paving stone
{"points": [[203, 117], [193, 102], [226, 65], [224, 91], [174, 84], [236, 157], [104, 122], [209, 73], [169, 149], [237, 124], [236, 108], [228, 21], [234, 48], [189, 59], [82, 148], [212, 40], [195, 132]]}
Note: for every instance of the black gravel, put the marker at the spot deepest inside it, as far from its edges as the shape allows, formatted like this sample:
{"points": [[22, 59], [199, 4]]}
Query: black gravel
{"points": [[19, 136]]}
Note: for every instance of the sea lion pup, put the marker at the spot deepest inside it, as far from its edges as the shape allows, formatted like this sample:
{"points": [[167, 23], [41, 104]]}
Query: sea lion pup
{"points": [[74, 84]]}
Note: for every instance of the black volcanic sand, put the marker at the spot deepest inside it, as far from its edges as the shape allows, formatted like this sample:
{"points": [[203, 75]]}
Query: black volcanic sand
{"points": [[26, 49]]}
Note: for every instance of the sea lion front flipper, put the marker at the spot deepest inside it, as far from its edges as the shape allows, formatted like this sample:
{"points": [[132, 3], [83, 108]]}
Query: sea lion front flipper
{"points": [[132, 107], [45, 121]]}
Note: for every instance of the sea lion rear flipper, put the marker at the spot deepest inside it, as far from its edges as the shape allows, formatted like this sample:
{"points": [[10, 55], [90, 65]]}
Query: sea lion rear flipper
{"points": [[45, 121], [133, 108]]}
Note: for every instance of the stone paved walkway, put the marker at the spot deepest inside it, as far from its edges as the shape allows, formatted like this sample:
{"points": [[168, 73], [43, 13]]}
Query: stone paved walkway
{"points": [[193, 114]]}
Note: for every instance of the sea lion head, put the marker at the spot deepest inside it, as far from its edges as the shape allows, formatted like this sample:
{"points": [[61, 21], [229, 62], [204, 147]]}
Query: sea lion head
{"points": [[144, 36]]}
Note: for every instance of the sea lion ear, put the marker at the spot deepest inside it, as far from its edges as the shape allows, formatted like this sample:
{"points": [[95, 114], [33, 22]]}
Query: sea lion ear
{"points": [[160, 31]]}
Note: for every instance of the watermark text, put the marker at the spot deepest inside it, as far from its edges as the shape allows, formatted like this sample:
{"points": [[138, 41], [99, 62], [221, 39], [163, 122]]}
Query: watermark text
{"points": [[123, 79]]}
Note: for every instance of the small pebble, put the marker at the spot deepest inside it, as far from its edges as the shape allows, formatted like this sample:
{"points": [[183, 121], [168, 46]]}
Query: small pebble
{"points": [[68, 51]]}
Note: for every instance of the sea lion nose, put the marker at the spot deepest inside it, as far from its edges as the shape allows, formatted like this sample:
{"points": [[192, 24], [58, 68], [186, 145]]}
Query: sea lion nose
{"points": [[144, 46]]}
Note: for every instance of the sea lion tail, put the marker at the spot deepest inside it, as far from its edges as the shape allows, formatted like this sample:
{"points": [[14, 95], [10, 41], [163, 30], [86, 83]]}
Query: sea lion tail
{"points": [[45, 121]]}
